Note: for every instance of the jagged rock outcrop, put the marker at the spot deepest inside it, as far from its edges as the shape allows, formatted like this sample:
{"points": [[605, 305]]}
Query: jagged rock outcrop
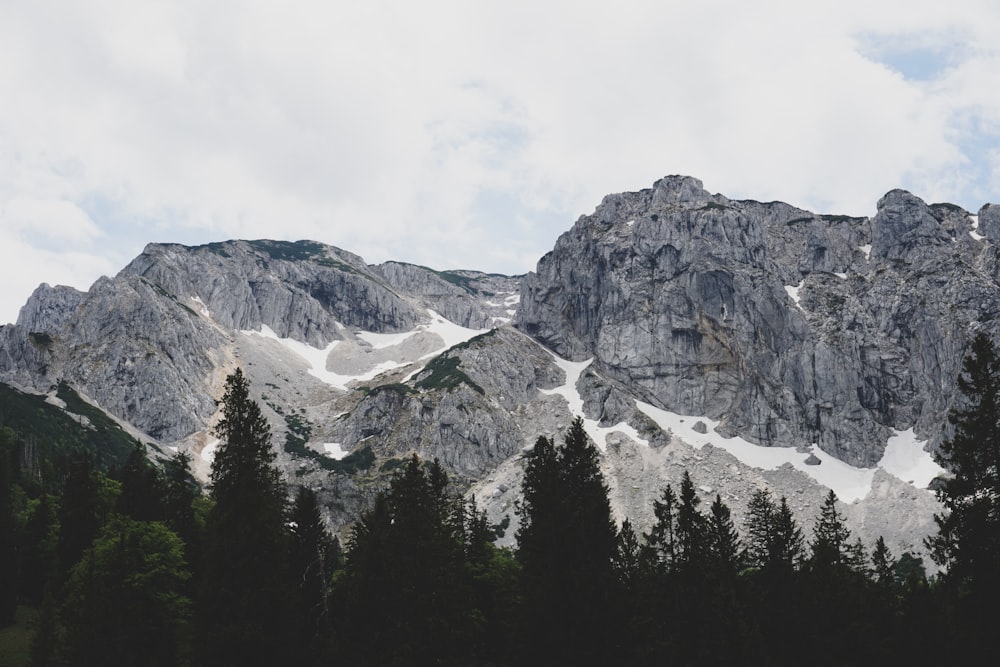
{"points": [[472, 407], [786, 326], [448, 292], [299, 290]]}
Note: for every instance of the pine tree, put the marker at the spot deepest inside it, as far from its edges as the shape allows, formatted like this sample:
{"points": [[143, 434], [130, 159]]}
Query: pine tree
{"points": [[540, 509], [691, 527], [8, 533], [857, 558], [310, 569], [244, 601], [830, 545], [968, 539], [566, 544], [883, 564], [79, 511], [723, 541], [142, 488], [661, 541], [39, 556], [760, 528], [788, 544], [626, 558]]}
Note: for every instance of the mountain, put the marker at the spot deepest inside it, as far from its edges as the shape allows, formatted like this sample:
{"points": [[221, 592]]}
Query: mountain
{"points": [[754, 344]]}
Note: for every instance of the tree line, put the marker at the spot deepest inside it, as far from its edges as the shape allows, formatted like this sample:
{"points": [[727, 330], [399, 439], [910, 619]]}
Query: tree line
{"points": [[141, 568]]}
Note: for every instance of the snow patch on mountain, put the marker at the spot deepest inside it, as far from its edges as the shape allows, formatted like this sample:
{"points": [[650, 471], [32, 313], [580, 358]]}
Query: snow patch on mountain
{"points": [[597, 433], [364, 355], [334, 450], [906, 458], [793, 293]]}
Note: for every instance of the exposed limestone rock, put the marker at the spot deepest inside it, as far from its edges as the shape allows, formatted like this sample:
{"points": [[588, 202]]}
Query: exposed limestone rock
{"points": [[448, 293], [687, 298]]}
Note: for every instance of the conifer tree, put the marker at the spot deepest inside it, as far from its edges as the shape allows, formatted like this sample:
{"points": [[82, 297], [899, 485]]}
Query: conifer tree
{"points": [[142, 489], [788, 544], [723, 541], [661, 541], [691, 527], [760, 528], [39, 555], [968, 539], [540, 509], [244, 599], [883, 564], [626, 558], [310, 568], [830, 545], [8, 532], [566, 544], [79, 511]]}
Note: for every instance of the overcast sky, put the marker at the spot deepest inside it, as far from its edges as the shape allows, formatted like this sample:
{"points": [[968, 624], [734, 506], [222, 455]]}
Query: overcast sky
{"points": [[465, 134]]}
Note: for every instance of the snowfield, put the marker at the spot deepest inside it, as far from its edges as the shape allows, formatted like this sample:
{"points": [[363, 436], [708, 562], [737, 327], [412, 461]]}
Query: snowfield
{"points": [[904, 455]]}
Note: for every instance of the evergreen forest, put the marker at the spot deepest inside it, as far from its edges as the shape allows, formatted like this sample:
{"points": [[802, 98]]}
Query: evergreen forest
{"points": [[123, 562]]}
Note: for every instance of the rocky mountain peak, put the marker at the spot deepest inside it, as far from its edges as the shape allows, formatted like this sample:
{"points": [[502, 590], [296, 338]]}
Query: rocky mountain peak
{"points": [[904, 222], [679, 190]]}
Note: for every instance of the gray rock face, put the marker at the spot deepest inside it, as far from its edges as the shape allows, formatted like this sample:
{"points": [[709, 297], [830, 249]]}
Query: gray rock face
{"points": [[989, 222], [904, 223], [788, 327], [448, 292], [469, 410], [299, 290], [150, 344]]}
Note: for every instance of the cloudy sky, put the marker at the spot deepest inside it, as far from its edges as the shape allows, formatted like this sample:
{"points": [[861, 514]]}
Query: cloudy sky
{"points": [[465, 134]]}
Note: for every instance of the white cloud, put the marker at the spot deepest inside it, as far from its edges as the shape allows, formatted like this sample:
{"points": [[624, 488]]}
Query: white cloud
{"points": [[472, 134]]}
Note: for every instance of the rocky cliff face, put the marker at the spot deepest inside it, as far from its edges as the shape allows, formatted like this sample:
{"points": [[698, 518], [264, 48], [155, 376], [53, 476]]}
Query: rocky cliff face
{"points": [[788, 327], [711, 324]]}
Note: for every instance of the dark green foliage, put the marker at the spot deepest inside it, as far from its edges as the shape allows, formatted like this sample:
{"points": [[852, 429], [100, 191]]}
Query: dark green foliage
{"points": [[883, 564], [626, 560], [357, 461], [968, 542], [661, 541], [9, 472], [123, 602], [406, 586], [459, 280], [142, 489], [968, 539], [397, 387], [244, 603], [48, 438], [313, 555], [443, 373], [80, 513], [692, 528], [788, 546], [723, 546], [39, 550], [830, 546], [300, 251], [298, 434], [566, 545]]}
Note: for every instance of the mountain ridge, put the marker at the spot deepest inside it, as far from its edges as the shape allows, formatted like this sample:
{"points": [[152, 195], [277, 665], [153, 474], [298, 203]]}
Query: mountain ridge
{"points": [[819, 335]]}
